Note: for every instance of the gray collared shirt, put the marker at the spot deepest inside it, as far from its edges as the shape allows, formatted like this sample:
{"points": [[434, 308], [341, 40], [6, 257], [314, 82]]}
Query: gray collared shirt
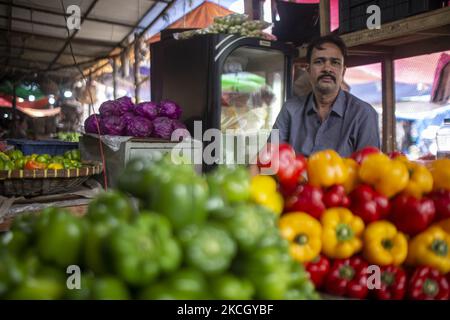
{"points": [[351, 125]]}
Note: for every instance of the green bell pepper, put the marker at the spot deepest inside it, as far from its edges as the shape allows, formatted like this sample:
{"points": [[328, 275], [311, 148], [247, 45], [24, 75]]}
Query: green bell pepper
{"points": [[210, 248], [94, 246], [231, 287], [269, 270], [135, 250], [43, 159], [73, 154], [230, 183], [109, 288], [12, 272], [4, 157], [246, 225], [182, 198], [57, 159], [15, 154], [60, 236], [38, 288], [19, 163], [111, 206]]}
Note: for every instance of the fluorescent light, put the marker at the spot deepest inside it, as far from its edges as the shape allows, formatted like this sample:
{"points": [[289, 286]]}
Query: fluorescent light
{"points": [[19, 99], [51, 100], [67, 94], [31, 98]]}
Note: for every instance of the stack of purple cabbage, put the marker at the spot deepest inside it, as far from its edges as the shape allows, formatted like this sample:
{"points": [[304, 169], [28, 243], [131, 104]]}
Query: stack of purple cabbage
{"points": [[146, 119]]}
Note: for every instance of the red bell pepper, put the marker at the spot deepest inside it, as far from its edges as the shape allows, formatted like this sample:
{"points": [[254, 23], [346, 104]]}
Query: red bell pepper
{"points": [[360, 155], [395, 154], [411, 215], [393, 284], [318, 270], [287, 166], [369, 204], [307, 199], [348, 277], [335, 196], [428, 284], [33, 165], [441, 199]]}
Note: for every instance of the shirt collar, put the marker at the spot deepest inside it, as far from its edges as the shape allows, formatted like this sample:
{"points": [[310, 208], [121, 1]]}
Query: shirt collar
{"points": [[338, 105]]}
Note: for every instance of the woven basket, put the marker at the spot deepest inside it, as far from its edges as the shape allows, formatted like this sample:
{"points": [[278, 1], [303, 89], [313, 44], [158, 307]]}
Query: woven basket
{"points": [[29, 183]]}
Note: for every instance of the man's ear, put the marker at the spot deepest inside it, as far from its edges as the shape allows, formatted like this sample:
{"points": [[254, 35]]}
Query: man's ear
{"points": [[308, 68], [343, 73]]}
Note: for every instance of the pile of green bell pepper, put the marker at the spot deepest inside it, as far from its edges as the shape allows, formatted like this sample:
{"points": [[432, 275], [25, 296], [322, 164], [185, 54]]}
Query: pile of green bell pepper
{"points": [[167, 233]]}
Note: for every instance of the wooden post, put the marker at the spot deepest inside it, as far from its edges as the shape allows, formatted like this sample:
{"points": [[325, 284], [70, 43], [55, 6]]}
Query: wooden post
{"points": [[136, 70], [254, 9], [248, 8], [14, 112], [388, 91], [114, 78], [324, 8]]}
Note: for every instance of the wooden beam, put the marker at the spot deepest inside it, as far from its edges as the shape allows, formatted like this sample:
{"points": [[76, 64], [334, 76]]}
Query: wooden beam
{"points": [[71, 36], [425, 46], [410, 25], [388, 92], [80, 41], [324, 9]]}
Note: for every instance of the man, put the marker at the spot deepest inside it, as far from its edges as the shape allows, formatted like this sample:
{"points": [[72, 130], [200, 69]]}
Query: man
{"points": [[328, 117]]}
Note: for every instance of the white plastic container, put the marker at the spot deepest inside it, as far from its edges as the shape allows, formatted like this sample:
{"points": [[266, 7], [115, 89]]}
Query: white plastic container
{"points": [[443, 140]]}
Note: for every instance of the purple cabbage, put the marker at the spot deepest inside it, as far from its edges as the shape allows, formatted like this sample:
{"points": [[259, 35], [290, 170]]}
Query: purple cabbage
{"points": [[90, 125], [149, 110], [112, 125], [125, 104], [139, 127], [177, 124], [116, 107], [169, 109], [127, 117], [162, 127]]}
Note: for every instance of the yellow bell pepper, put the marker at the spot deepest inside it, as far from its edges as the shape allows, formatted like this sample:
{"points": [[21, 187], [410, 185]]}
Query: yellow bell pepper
{"points": [[326, 168], [304, 234], [263, 191], [353, 178], [440, 169], [420, 180], [384, 245], [341, 233], [387, 176], [55, 166], [431, 248], [445, 225]]}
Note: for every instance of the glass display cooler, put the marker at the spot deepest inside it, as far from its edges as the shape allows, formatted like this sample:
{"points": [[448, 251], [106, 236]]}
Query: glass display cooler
{"points": [[231, 83]]}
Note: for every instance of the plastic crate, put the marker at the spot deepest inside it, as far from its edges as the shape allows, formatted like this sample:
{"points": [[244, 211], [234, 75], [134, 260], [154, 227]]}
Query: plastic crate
{"points": [[51, 147]]}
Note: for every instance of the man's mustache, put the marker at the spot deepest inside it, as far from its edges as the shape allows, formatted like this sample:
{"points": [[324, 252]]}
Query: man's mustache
{"points": [[327, 75]]}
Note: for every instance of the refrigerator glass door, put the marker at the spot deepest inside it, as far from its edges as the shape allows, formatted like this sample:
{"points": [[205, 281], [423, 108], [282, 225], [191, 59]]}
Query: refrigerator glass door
{"points": [[252, 93]]}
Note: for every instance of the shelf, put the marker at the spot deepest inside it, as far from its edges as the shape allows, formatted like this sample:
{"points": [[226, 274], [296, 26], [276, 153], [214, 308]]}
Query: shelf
{"points": [[417, 35]]}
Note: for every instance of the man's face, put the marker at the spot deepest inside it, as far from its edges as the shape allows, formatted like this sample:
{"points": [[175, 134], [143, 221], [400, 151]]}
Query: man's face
{"points": [[326, 69]]}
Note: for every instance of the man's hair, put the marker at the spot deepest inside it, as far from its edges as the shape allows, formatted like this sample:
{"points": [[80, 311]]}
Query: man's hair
{"points": [[318, 42]]}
